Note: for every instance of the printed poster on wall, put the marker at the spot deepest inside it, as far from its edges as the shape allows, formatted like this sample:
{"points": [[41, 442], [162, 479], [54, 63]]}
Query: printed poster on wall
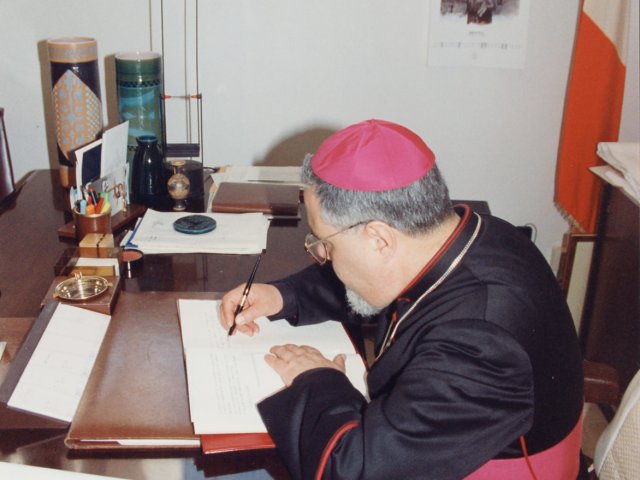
{"points": [[478, 33]]}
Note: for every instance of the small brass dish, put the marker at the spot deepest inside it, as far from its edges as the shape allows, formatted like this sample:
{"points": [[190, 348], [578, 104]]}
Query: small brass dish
{"points": [[81, 288]]}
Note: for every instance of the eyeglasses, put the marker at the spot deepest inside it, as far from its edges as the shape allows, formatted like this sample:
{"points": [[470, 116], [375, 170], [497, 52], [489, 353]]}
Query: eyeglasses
{"points": [[318, 248]]}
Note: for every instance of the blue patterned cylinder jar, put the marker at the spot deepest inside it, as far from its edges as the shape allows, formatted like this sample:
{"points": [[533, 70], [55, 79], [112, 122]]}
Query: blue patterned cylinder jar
{"points": [[75, 82], [139, 85]]}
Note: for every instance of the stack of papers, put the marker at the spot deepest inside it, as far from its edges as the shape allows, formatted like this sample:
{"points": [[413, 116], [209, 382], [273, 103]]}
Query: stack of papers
{"points": [[253, 174], [623, 169], [244, 233]]}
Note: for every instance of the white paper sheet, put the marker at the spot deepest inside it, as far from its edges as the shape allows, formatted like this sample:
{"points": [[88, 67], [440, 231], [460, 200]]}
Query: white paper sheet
{"points": [[57, 373], [244, 233], [623, 169], [18, 471], [114, 148], [243, 173], [227, 376]]}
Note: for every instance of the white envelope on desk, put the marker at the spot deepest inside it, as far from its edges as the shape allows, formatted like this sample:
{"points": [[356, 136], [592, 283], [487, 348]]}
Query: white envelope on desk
{"points": [[244, 233]]}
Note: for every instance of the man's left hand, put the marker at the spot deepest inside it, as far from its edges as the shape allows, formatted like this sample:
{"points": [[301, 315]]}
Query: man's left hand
{"points": [[289, 361]]}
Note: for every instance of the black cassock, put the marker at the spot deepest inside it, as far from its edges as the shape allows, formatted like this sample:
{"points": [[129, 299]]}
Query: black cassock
{"points": [[485, 351]]}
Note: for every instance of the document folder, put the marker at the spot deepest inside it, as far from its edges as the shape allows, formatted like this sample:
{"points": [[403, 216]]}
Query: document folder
{"points": [[219, 443], [136, 397], [279, 200]]}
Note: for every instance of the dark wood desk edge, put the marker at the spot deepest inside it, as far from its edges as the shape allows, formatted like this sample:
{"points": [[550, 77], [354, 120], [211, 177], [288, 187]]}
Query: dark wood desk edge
{"points": [[27, 255], [13, 330]]}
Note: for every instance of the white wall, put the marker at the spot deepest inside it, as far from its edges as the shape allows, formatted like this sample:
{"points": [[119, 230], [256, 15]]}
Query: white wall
{"points": [[278, 76], [25, 82], [630, 121]]}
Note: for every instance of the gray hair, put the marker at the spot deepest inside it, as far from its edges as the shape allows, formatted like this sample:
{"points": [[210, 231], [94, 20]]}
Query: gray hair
{"points": [[413, 209]]}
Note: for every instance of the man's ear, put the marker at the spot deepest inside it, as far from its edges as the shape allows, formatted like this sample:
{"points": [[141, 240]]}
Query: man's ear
{"points": [[382, 237]]}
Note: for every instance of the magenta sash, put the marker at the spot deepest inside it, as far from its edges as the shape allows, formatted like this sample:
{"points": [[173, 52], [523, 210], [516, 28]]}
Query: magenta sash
{"points": [[560, 462]]}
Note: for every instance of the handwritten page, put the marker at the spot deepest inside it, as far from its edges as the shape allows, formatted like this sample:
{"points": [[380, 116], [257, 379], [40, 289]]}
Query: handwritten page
{"points": [[57, 373], [244, 233], [227, 376], [201, 327]]}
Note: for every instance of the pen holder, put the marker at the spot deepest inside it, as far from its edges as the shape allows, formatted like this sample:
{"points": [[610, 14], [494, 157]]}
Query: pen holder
{"points": [[93, 223]]}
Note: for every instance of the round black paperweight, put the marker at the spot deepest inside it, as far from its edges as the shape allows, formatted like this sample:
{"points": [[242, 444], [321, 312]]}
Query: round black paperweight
{"points": [[194, 224]]}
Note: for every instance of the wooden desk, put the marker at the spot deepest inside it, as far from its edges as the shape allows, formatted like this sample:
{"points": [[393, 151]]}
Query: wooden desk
{"points": [[29, 244], [12, 331], [29, 248]]}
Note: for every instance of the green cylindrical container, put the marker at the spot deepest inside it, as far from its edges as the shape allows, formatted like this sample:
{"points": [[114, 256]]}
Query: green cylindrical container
{"points": [[139, 82]]}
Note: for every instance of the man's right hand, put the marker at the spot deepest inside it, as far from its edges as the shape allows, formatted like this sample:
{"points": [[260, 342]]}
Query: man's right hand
{"points": [[263, 300]]}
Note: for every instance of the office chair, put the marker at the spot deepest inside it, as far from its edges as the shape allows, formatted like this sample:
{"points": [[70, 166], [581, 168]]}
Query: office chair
{"points": [[617, 455], [7, 182]]}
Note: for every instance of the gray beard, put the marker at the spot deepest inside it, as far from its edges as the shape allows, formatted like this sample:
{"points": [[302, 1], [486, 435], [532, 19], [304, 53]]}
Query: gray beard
{"points": [[360, 306]]}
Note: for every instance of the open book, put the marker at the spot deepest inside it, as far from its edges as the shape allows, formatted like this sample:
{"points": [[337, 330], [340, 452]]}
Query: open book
{"points": [[228, 376]]}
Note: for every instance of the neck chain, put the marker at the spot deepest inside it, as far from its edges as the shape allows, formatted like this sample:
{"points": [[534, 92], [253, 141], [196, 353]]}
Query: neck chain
{"points": [[393, 326]]}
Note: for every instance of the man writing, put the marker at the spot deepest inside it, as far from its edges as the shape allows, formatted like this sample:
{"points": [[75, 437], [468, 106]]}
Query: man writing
{"points": [[477, 371]]}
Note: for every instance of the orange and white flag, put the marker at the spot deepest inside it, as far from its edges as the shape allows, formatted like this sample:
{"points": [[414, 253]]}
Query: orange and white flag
{"points": [[593, 107]]}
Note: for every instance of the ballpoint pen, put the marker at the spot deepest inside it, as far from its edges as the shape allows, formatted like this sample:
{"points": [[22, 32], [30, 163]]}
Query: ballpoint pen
{"points": [[129, 243], [245, 294]]}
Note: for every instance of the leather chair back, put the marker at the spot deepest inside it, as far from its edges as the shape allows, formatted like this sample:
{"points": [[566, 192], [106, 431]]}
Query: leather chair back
{"points": [[7, 182]]}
